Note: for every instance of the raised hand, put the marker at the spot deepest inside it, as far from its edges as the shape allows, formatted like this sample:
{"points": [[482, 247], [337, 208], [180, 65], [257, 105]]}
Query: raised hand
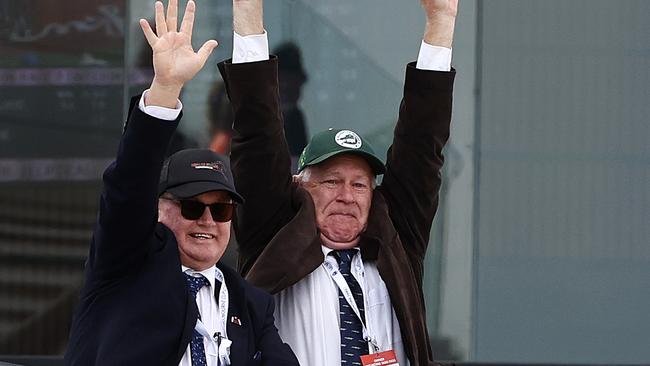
{"points": [[174, 60], [441, 19], [440, 7]]}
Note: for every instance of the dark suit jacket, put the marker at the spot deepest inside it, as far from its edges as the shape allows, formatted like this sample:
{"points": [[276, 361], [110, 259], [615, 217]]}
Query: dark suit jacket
{"points": [[276, 228], [135, 307]]}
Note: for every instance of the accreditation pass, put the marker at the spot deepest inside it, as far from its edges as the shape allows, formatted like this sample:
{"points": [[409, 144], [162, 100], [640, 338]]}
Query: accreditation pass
{"points": [[386, 358]]}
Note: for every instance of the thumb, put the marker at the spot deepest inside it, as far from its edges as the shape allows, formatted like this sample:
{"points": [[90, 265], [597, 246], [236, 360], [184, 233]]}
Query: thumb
{"points": [[205, 50]]}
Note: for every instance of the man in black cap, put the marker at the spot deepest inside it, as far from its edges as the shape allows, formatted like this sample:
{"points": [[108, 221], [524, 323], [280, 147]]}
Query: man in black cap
{"points": [[155, 293]]}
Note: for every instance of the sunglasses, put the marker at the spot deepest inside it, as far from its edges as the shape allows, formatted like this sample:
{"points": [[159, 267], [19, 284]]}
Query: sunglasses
{"points": [[193, 210]]}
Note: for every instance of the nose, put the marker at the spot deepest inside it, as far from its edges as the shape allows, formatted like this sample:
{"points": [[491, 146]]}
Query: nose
{"points": [[345, 193], [206, 218]]}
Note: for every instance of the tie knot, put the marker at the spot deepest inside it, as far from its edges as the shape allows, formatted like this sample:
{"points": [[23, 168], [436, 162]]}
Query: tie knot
{"points": [[196, 283], [344, 257]]}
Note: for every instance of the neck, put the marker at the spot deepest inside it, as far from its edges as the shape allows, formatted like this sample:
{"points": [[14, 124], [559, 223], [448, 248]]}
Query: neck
{"points": [[337, 245]]}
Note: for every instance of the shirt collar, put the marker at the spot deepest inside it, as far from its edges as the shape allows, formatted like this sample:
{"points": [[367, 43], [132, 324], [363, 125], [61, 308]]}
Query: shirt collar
{"points": [[208, 273], [327, 250]]}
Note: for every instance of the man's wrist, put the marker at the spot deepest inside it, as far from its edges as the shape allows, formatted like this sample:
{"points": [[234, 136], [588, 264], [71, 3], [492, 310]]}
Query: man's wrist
{"points": [[163, 113], [248, 17], [163, 95], [439, 31]]}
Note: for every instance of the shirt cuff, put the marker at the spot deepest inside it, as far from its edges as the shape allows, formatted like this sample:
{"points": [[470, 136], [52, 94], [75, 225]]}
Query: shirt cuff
{"points": [[250, 48], [164, 113], [434, 58]]}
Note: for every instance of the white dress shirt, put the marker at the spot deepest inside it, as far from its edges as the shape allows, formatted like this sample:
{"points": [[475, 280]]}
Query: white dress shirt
{"points": [[307, 316], [307, 313], [209, 323]]}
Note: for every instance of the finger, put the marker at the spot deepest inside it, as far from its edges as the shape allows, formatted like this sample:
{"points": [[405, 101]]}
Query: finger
{"points": [[148, 32], [172, 15], [188, 19], [161, 26], [205, 50]]}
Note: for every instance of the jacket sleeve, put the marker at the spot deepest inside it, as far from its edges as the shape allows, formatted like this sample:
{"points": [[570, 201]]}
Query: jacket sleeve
{"points": [[128, 207], [273, 350], [260, 157], [413, 165]]}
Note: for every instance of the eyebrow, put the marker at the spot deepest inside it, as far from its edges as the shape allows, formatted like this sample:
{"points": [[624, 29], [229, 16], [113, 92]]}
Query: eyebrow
{"points": [[339, 175]]}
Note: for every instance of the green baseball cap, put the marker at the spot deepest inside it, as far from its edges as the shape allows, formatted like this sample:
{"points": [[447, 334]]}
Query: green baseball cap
{"points": [[332, 142]]}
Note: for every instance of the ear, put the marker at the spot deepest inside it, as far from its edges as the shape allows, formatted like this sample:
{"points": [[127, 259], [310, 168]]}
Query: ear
{"points": [[295, 178], [161, 210]]}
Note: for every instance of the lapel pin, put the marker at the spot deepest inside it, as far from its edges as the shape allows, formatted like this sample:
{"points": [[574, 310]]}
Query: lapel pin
{"points": [[235, 320]]}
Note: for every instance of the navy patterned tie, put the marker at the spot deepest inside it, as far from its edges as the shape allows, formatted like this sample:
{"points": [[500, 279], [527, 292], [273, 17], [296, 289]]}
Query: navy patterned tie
{"points": [[352, 344], [197, 350]]}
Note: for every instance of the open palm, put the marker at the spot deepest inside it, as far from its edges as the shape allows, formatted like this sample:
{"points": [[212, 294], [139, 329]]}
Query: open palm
{"points": [[174, 60]]}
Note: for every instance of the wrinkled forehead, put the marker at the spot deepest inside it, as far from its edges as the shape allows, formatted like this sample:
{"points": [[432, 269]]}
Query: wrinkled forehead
{"points": [[347, 165]]}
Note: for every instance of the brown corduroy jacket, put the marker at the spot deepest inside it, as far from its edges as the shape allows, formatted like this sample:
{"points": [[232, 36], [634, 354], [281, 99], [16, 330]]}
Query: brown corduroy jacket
{"points": [[279, 243]]}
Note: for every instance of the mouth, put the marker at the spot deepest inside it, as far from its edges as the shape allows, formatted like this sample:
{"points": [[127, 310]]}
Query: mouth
{"points": [[202, 236], [343, 214]]}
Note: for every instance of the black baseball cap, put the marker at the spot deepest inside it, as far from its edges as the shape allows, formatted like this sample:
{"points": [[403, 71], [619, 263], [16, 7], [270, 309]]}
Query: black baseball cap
{"points": [[191, 172], [332, 142]]}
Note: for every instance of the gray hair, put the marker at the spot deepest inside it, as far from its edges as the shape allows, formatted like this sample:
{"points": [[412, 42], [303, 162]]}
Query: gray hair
{"points": [[304, 175]]}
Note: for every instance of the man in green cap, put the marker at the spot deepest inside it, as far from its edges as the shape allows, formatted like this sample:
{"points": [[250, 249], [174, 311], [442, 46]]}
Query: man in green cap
{"points": [[342, 255]]}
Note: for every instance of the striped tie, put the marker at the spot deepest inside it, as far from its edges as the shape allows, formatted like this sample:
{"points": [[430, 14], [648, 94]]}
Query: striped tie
{"points": [[197, 349], [352, 344]]}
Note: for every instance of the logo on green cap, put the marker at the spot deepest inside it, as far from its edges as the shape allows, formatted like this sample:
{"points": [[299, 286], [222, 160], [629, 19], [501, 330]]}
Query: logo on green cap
{"points": [[348, 139]]}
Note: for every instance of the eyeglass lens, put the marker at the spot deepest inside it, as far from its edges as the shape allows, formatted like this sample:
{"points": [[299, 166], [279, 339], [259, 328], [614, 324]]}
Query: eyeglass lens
{"points": [[193, 210]]}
